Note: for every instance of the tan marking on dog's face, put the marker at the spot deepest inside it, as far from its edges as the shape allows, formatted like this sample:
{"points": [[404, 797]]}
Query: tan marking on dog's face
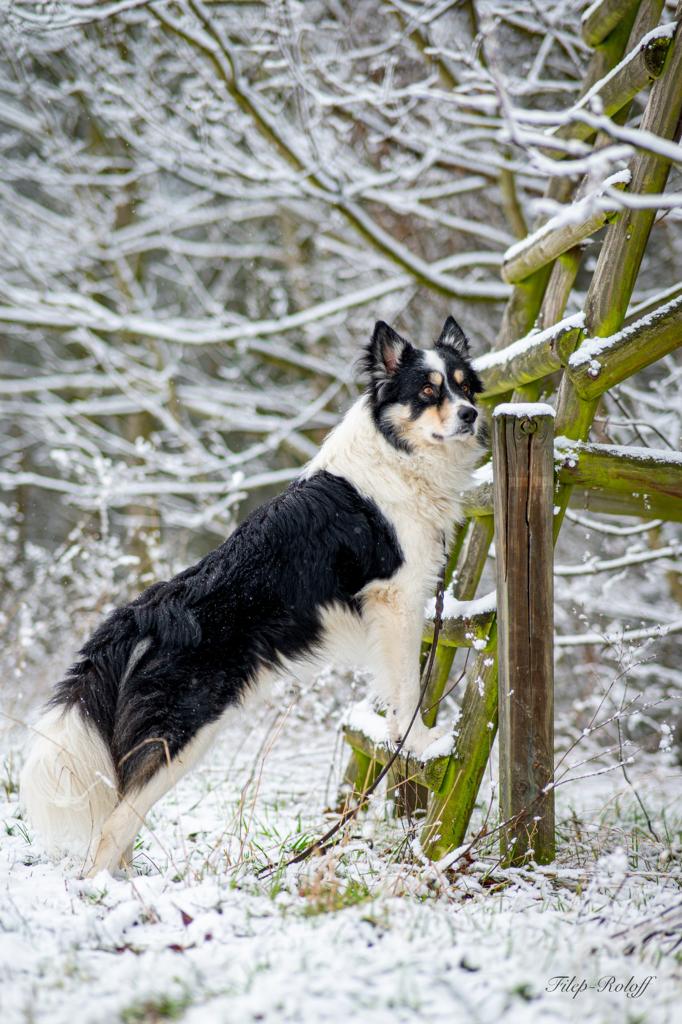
{"points": [[445, 415], [436, 424], [459, 376], [432, 427], [433, 418], [436, 378]]}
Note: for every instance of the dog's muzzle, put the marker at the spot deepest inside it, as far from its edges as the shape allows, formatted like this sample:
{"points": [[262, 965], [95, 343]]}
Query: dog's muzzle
{"points": [[466, 418]]}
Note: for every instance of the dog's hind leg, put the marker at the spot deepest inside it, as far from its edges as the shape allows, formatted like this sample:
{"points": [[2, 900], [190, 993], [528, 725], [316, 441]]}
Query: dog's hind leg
{"points": [[122, 825]]}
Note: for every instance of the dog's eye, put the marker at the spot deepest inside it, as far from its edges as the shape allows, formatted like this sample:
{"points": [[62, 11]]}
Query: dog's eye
{"points": [[465, 389], [427, 392]]}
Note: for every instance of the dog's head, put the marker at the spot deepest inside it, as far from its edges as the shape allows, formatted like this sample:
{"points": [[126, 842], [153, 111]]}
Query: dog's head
{"points": [[422, 397]]}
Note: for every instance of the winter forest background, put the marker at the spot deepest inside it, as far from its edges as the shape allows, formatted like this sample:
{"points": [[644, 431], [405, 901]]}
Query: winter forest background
{"points": [[204, 208]]}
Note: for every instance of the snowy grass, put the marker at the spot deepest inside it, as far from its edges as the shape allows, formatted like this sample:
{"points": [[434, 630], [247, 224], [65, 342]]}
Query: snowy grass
{"points": [[367, 932]]}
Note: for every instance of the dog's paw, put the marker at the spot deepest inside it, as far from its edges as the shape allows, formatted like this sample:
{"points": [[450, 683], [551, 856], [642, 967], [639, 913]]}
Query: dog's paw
{"points": [[420, 737]]}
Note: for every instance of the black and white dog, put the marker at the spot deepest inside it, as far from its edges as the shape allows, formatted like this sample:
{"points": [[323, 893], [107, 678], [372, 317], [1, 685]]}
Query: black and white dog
{"points": [[338, 567]]}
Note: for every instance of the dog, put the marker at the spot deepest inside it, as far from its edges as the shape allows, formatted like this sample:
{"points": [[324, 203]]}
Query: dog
{"points": [[338, 567]]}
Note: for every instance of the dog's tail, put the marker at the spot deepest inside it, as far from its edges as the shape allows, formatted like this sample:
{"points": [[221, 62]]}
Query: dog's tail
{"points": [[68, 783], [80, 759]]}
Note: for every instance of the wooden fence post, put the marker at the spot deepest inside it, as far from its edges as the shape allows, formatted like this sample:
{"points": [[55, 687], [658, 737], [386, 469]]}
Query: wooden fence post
{"points": [[523, 474]]}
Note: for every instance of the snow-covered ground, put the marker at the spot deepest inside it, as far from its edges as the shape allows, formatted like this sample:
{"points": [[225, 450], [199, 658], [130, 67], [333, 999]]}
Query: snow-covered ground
{"points": [[366, 933]]}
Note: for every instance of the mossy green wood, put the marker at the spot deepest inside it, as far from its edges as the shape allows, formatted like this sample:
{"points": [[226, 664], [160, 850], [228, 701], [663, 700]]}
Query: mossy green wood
{"points": [[559, 286], [450, 812], [623, 248], [595, 369], [621, 255], [592, 370], [360, 775], [464, 588], [609, 292], [653, 303], [642, 504], [469, 630], [638, 69], [526, 299], [515, 366], [558, 236], [655, 478], [463, 630], [609, 479], [353, 773], [601, 19], [451, 807], [429, 773]]}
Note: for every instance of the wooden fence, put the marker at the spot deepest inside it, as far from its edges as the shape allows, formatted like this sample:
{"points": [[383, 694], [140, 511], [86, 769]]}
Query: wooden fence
{"points": [[579, 358]]}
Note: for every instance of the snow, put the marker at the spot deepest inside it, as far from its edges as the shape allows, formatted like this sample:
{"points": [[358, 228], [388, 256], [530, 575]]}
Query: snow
{"points": [[529, 342], [589, 11], [566, 447], [523, 409], [593, 348], [194, 285], [363, 718], [454, 609], [443, 746], [483, 475], [654, 300], [595, 565], [361, 934], [572, 213], [665, 31], [619, 636]]}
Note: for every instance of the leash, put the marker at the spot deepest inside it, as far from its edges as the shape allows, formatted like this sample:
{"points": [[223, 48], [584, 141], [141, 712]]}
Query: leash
{"points": [[327, 841]]}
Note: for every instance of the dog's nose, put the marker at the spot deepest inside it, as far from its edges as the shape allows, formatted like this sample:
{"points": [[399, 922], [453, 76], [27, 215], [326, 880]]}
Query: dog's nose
{"points": [[467, 414]]}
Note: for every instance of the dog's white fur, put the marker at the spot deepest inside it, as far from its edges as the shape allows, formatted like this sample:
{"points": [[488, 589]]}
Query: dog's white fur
{"points": [[419, 493], [68, 783]]}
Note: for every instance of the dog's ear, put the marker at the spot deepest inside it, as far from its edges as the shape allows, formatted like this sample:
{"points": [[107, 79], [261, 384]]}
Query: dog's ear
{"points": [[452, 336], [385, 352]]}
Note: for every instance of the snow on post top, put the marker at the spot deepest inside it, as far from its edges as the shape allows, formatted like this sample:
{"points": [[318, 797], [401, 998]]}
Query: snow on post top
{"points": [[524, 409]]}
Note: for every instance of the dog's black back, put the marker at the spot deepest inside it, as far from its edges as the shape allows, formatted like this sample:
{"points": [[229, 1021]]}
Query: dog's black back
{"points": [[159, 669]]}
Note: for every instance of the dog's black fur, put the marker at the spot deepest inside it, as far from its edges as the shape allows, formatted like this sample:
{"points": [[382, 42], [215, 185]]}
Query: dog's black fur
{"points": [[205, 634], [345, 558]]}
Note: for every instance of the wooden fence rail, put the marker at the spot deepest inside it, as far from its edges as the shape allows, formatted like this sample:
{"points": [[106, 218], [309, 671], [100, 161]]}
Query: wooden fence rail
{"points": [[582, 357]]}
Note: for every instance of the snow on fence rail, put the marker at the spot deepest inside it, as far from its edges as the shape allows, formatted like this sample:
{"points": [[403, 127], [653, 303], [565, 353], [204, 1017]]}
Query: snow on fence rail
{"points": [[530, 358], [616, 89], [571, 225], [600, 363], [610, 478], [641, 482]]}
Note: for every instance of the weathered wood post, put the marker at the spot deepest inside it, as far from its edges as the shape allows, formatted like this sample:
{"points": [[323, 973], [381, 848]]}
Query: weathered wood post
{"points": [[523, 492]]}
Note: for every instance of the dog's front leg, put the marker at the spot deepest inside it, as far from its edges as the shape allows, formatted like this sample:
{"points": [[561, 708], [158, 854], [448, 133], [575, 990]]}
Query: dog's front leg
{"points": [[395, 625]]}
